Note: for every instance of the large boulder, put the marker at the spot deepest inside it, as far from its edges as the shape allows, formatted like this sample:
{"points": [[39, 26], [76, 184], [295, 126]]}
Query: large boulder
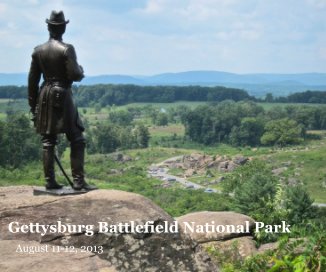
{"points": [[279, 171], [240, 160], [236, 249], [49, 261], [122, 251], [227, 225], [298, 245], [196, 160]]}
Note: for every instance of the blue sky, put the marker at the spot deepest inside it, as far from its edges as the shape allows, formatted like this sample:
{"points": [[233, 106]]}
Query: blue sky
{"points": [[146, 37]]}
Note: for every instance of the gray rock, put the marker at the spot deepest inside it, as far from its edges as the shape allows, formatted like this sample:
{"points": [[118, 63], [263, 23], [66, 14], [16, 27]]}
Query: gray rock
{"points": [[279, 171], [114, 171], [116, 156], [287, 163], [240, 160], [48, 261], [126, 158], [237, 249], [298, 248], [213, 164], [223, 166], [122, 251], [219, 218], [231, 166], [292, 181]]}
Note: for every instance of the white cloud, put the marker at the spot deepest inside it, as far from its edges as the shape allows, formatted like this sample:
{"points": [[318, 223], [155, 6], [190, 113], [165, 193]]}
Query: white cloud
{"points": [[153, 7], [168, 35], [3, 8], [320, 4]]}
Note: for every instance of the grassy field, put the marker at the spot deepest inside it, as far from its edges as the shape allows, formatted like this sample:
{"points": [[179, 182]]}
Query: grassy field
{"points": [[304, 165], [92, 114], [165, 105]]}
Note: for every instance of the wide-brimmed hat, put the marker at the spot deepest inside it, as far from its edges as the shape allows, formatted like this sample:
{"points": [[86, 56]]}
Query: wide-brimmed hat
{"points": [[57, 18]]}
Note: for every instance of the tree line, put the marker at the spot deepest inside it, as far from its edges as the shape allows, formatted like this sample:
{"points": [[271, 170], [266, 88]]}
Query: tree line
{"points": [[247, 123], [13, 92], [318, 97], [109, 94], [124, 94], [109, 137]]}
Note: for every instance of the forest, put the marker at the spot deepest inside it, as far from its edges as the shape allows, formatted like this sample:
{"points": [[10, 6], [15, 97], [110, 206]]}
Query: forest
{"points": [[247, 123], [121, 94]]}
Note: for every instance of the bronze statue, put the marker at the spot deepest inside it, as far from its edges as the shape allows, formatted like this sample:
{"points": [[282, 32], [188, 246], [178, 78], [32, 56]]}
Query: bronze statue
{"points": [[52, 104]]}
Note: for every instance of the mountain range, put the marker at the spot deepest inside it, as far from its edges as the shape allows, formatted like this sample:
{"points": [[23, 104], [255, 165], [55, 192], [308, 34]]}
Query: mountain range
{"points": [[255, 83]]}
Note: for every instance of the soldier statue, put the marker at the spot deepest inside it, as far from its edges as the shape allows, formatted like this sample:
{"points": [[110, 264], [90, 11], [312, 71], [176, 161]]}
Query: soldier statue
{"points": [[52, 104]]}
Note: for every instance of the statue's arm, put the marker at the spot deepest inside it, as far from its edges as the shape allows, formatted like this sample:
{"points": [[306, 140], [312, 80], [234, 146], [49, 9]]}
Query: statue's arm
{"points": [[75, 72], [34, 77]]}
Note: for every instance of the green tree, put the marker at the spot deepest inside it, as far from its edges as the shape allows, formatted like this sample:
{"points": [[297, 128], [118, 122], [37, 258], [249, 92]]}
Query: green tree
{"points": [[282, 132], [19, 142], [276, 112], [142, 136], [162, 119], [3, 147], [255, 193], [248, 133], [97, 108], [298, 204], [126, 138], [105, 138], [121, 117], [269, 98]]}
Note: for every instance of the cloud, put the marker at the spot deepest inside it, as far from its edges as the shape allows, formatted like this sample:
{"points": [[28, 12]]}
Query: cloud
{"points": [[153, 36], [319, 4], [3, 8]]}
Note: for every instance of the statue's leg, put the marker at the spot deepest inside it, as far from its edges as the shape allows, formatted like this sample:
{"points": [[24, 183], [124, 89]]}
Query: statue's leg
{"points": [[77, 157], [49, 142]]}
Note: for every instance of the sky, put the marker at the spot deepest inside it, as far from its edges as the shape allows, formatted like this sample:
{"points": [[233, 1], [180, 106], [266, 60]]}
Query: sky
{"points": [[147, 37]]}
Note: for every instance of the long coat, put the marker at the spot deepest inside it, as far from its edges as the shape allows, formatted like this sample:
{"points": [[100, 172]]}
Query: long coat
{"points": [[52, 103]]}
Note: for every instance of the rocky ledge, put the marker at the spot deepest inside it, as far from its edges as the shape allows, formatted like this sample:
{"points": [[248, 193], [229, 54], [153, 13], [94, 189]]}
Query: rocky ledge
{"points": [[123, 251]]}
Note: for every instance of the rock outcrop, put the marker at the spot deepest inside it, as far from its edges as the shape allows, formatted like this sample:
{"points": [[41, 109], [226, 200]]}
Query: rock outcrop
{"points": [[49, 261], [199, 163], [121, 251], [236, 245], [236, 249], [220, 220]]}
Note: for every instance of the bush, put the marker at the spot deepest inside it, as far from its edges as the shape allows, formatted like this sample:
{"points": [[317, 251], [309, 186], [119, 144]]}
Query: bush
{"points": [[282, 132], [19, 142]]}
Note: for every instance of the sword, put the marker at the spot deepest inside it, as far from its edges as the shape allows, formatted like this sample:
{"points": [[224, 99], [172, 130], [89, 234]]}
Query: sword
{"points": [[63, 171]]}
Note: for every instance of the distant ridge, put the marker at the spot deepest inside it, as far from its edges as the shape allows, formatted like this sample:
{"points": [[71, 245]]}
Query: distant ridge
{"points": [[255, 83], [111, 79], [19, 79]]}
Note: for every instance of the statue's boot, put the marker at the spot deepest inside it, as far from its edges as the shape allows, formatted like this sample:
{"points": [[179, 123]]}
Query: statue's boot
{"points": [[77, 156], [48, 167]]}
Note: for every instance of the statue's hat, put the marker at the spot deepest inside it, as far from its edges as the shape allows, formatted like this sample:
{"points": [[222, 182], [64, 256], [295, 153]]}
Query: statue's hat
{"points": [[57, 18]]}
